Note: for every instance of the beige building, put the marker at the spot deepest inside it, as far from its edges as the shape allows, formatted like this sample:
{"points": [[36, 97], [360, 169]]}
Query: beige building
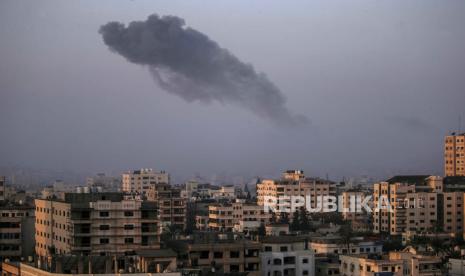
{"points": [[454, 155], [369, 265], [141, 181], [406, 203], [395, 263], [239, 215], [94, 224], [294, 183], [452, 217]]}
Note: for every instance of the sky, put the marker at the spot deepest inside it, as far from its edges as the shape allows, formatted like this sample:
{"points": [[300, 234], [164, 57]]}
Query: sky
{"points": [[379, 82]]}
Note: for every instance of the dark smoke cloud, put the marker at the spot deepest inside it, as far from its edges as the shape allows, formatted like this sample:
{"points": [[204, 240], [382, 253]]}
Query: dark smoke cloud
{"points": [[187, 63]]}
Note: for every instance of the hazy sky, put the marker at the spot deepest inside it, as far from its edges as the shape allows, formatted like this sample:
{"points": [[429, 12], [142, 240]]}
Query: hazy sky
{"points": [[381, 82]]}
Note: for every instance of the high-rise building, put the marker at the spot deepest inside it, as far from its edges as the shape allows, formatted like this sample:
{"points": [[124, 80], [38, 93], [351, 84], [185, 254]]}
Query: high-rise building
{"points": [[454, 155], [140, 181], [94, 224]]}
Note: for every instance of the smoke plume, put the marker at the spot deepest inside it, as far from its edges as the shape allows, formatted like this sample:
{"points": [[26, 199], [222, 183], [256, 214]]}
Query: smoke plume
{"points": [[187, 63]]}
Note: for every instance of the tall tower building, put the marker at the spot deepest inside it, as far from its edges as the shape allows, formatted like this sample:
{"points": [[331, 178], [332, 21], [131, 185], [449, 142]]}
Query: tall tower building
{"points": [[454, 155]]}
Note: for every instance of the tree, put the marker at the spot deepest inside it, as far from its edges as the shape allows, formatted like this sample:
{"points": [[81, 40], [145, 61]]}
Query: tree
{"points": [[304, 220], [284, 218], [295, 224], [346, 234], [261, 230]]}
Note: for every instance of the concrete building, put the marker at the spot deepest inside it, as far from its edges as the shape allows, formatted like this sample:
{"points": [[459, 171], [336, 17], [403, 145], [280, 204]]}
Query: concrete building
{"points": [[294, 183], [239, 215], [16, 227], [327, 265], [370, 265], [395, 263], [76, 266], [277, 229], [406, 203], [94, 224], [359, 219], [287, 255], [456, 267], [141, 181], [454, 155], [171, 206], [332, 245], [451, 215], [221, 253]]}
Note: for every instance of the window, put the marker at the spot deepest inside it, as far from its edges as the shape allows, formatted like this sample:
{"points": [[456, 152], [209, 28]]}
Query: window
{"points": [[128, 240], [104, 214], [128, 213], [104, 227], [305, 261], [128, 226], [104, 241], [218, 255], [234, 254], [283, 249]]}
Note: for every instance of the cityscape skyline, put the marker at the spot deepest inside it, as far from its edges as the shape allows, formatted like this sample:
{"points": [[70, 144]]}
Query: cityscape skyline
{"points": [[379, 81]]}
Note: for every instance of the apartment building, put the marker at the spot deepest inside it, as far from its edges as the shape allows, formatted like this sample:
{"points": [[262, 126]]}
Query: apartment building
{"points": [[240, 216], [222, 253], [451, 213], [140, 181], [16, 226], [370, 265], [94, 224], [396, 263], [294, 183], [454, 154], [171, 206], [287, 255], [358, 217], [332, 245], [406, 203]]}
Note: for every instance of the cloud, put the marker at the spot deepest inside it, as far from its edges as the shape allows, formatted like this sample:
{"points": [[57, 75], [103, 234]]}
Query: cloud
{"points": [[187, 63]]}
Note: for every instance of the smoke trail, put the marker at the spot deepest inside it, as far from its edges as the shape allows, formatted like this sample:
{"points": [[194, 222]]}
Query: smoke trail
{"points": [[187, 63]]}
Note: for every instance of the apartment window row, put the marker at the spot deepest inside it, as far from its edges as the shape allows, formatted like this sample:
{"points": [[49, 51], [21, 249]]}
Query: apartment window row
{"points": [[53, 211], [107, 240]]}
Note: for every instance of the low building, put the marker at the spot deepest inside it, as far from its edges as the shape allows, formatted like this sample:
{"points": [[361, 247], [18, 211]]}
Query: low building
{"points": [[395, 263], [220, 253], [77, 267], [370, 265], [287, 255], [327, 265], [277, 229], [456, 267], [333, 245]]}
